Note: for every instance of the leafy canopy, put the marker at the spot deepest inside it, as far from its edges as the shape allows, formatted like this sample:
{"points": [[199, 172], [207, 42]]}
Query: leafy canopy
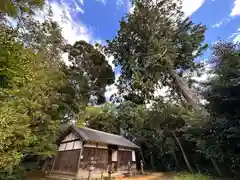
{"points": [[153, 44]]}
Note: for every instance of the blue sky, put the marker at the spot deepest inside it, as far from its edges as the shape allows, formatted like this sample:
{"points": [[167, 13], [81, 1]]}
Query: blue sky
{"points": [[98, 20]]}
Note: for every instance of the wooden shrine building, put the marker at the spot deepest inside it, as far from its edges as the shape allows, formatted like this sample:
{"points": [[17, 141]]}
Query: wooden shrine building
{"points": [[78, 145]]}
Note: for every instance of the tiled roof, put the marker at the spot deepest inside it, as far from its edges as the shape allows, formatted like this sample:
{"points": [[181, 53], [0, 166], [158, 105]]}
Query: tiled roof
{"points": [[89, 134]]}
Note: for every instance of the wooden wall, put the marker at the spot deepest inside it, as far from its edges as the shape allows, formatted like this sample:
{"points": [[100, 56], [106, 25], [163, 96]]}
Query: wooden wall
{"points": [[72, 149], [98, 151], [70, 142], [67, 161], [69, 152]]}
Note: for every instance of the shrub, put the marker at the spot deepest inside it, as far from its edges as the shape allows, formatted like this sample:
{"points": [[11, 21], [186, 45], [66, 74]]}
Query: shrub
{"points": [[15, 174]]}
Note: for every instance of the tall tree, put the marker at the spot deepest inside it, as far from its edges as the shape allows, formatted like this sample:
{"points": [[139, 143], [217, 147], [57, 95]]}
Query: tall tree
{"points": [[90, 65], [173, 120], [102, 118], [28, 96], [223, 100], [155, 46]]}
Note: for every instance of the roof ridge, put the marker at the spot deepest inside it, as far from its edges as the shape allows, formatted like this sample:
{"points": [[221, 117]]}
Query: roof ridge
{"points": [[102, 132]]}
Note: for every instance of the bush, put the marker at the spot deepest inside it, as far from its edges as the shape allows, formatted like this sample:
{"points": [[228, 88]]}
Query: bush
{"points": [[15, 174], [193, 177]]}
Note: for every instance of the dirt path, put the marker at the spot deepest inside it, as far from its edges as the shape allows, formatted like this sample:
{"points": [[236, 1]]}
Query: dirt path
{"points": [[150, 176], [153, 176]]}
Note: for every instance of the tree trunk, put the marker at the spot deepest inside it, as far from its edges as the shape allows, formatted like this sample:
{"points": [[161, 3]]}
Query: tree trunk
{"points": [[187, 93], [199, 171], [142, 155], [183, 152], [175, 157], [216, 167], [151, 159]]}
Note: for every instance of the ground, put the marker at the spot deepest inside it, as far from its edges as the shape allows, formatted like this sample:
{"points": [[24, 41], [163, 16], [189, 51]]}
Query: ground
{"points": [[150, 176], [153, 176]]}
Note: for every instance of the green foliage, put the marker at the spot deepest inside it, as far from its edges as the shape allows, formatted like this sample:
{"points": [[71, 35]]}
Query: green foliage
{"points": [[28, 103], [89, 68], [14, 138], [155, 47], [16, 174], [17, 58], [14, 8], [186, 176], [102, 118], [223, 97], [152, 43], [146, 127], [223, 87], [38, 91]]}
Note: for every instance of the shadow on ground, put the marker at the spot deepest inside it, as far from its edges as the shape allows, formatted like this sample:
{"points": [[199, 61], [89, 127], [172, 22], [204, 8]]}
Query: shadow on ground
{"points": [[153, 176]]}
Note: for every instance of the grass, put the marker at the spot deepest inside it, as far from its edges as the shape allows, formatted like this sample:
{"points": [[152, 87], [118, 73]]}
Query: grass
{"points": [[187, 176]]}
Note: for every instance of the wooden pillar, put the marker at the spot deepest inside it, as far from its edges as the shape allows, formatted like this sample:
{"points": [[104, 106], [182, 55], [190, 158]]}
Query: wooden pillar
{"points": [[53, 164], [96, 152], [45, 165], [117, 163]]}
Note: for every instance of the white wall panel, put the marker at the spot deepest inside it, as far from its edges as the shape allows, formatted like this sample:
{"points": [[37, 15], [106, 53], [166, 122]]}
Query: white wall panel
{"points": [[70, 137], [133, 155], [114, 155], [77, 145], [69, 145], [62, 147]]}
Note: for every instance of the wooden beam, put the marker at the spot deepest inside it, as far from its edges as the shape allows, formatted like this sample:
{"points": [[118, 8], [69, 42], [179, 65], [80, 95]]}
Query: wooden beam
{"points": [[74, 140]]}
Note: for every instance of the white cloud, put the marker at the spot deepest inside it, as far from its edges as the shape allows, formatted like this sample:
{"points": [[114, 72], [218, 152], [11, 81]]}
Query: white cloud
{"points": [[102, 1], [78, 8], [205, 74], [62, 12], [217, 25], [191, 6], [110, 60], [235, 36], [163, 91], [119, 3], [65, 59], [71, 30], [130, 7], [236, 8], [112, 89]]}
